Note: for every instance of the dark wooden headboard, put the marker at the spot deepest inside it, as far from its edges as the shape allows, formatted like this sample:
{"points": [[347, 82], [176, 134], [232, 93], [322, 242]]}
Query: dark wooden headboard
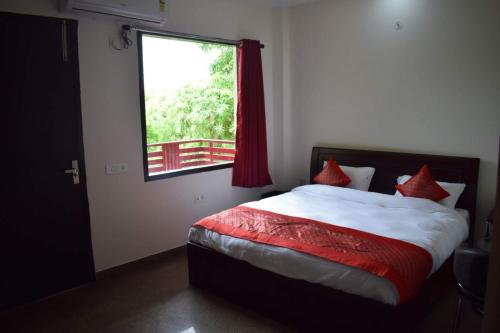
{"points": [[390, 165]]}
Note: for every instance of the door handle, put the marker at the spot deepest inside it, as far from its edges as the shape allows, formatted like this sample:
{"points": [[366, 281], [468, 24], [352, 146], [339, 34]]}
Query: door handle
{"points": [[75, 171]]}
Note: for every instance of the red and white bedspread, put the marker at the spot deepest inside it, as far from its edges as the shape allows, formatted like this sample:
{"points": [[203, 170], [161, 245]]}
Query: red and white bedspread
{"points": [[370, 244]]}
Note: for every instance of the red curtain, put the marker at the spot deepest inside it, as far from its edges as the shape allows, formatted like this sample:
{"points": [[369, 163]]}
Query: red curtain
{"points": [[250, 161]]}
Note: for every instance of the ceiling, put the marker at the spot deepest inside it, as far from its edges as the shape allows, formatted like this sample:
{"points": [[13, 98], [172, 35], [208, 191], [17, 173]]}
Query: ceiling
{"points": [[278, 3]]}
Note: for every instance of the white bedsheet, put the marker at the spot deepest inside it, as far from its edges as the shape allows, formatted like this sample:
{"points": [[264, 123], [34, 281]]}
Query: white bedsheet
{"points": [[434, 227]]}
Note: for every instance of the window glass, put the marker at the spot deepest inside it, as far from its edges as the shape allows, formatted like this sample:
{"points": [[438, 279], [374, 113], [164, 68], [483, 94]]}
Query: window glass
{"points": [[189, 91]]}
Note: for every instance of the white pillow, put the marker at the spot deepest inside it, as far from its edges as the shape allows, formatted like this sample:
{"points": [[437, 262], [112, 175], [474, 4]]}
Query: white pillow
{"points": [[455, 190], [360, 177]]}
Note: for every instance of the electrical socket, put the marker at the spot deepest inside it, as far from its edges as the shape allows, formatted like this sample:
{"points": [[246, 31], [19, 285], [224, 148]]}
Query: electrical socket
{"points": [[199, 198]]}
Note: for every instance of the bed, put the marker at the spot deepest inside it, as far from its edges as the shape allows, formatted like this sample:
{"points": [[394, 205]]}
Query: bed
{"points": [[310, 304]]}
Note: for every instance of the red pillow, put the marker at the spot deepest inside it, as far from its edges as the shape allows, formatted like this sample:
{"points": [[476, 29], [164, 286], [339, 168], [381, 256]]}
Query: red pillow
{"points": [[332, 175], [422, 185]]}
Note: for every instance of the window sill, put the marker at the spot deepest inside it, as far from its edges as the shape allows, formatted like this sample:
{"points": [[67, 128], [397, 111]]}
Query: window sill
{"points": [[182, 172]]}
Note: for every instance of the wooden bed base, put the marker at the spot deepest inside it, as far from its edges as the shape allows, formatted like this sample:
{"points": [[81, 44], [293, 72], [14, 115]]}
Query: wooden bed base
{"points": [[307, 306], [315, 308]]}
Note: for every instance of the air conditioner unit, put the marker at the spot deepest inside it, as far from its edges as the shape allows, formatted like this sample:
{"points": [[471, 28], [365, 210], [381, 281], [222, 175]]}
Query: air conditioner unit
{"points": [[151, 11]]}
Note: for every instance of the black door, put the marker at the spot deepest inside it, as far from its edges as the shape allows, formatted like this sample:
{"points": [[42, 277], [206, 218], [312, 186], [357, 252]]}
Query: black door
{"points": [[44, 220]]}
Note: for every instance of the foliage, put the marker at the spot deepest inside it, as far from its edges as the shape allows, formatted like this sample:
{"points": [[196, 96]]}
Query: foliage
{"points": [[197, 111]]}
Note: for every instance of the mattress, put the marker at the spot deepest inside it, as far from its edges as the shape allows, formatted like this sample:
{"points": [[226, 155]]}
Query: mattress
{"points": [[436, 228]]}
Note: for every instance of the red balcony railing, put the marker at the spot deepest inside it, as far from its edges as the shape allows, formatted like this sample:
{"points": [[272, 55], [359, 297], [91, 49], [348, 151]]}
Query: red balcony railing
{"points": [[182, 154]]}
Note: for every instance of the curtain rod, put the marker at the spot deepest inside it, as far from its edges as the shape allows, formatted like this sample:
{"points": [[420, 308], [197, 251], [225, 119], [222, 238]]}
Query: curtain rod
{"points": [[184, 36]]}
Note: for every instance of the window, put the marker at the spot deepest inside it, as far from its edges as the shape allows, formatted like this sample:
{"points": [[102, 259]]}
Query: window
{"points": [[188, 106]]}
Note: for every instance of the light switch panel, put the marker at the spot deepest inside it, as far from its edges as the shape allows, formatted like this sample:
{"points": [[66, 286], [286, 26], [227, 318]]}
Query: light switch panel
{"points": [[116, 169]]}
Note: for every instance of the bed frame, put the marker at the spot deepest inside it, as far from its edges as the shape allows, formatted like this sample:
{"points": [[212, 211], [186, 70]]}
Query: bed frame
{"points": [[313, 307]]}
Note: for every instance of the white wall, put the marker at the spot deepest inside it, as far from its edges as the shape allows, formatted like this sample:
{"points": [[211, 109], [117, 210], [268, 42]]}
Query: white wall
{"points": [[336, 73], [131, 219], [432, 87]]}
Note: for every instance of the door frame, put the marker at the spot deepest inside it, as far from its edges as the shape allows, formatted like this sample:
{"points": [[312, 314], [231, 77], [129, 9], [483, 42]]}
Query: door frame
{"points": [[77, 108]]}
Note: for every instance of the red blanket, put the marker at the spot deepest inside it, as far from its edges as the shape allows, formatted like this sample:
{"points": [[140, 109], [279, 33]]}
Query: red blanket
{"points": [[405, 264]]}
